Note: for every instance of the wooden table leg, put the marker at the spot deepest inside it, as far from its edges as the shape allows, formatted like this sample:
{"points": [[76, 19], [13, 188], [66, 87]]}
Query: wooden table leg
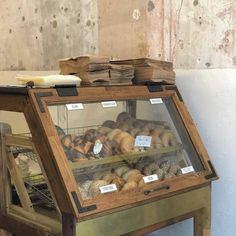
{"points": [[202, 222]]}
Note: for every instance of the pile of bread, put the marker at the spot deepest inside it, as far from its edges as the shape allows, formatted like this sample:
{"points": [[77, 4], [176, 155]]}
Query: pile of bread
{"points": [[126, 178], [117, 137]]}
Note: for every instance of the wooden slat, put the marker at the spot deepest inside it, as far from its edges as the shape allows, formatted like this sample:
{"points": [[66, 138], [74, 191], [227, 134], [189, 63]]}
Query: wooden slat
{"points": [[18, 141], [17, 179], [124, 157]]}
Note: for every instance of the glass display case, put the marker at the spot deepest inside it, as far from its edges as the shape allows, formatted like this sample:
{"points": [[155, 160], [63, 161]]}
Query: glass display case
{"points": [[78, 153]]}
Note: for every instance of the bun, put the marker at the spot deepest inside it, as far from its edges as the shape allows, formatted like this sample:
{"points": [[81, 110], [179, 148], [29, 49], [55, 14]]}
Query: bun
{"points": [[122, 116], [129, 186], [94, 190], [109, 124], [156, 142], [168, 139], [118, 137], [104, 130], [119, 182], [106, 149], [135, 177], [114, 132], [129, 173], [90, 134], [109, 177], [149, 169], [121, 170], [127, 144]]}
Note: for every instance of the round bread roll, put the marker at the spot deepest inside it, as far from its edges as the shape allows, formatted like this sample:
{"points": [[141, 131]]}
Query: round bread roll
{"points": [[133, 131], [83, 193], [168, 139], [122, 116], [100, 137], [106, 149], [165, 166], [138, 124], [160, 173], [67, 141], [90, 134], [155, 132], [175, 169], [134, 177], [156, 142], [119, 182], [100, 174], [77, 141], [141, 183], [169, 175], [129, 186], [109, 177], [86, 185], [127, 144], [94, 190], [143, 133], [123, 126], [149, 169], [109, 124], [129, 173], [121, 170], [114, 132], [118, 137], [104, 130]]}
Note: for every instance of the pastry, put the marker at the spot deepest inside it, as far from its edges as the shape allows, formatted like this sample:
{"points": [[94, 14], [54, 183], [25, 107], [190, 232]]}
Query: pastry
{"points": [[86, 185], [141, 183], [138, 124], [67, 141], [149, 169], [129, 173], [123, 126], [106, 149], [84, 193], [127, 144], [90, 135], [100, 174], [160, 173], [109, 124], [114, 132], [118, 137], [155, 132], [156, 142], [165, 166], [129, 186], [143, 133], [121, 170], [133, 131], [94, 189], [104, 130], [168, 139], [134, 177], [109, 177], [122, 116], [119, 182], [175, 169]]}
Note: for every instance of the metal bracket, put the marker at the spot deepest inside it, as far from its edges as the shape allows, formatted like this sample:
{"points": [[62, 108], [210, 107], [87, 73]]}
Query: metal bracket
{"points": [[213, 172], [154, 86], [38, 97], [79, 207], [66, 90]]}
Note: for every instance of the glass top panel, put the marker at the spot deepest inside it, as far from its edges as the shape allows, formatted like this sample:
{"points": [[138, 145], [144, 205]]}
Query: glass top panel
{"points": [[118, 146]]}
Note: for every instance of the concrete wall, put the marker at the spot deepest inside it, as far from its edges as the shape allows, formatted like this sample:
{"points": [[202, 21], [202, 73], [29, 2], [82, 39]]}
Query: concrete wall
{"points": [[192, 34], [35, 34]]}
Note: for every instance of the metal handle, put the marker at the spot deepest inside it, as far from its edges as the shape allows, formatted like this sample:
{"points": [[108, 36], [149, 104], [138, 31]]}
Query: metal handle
{"points": [[164, 187]]}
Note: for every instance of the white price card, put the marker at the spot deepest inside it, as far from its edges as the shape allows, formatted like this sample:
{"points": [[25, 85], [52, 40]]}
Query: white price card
{"points": [[108, 188], [187, 169], [150, 178], [156, 100], [74, 106], [143, 141], [109, 104]]}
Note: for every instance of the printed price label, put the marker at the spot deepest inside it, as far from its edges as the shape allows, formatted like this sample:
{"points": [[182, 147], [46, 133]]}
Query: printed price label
{"points": [[143, 141], [156, 100], [97, 147], [108, 188], [187, 169], [109, 104], [74, 106], [150, 178]]}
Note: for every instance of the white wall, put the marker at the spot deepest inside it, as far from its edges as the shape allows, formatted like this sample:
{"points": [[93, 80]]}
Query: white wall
{"points": [[210, 96]]}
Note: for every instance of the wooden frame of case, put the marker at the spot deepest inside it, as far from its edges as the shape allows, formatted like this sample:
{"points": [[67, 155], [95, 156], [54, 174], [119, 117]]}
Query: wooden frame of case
{"points": [[33, 103]]}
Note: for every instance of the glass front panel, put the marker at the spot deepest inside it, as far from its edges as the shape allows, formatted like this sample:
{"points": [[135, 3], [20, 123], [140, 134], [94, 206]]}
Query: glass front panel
{"points": [[123, 145]]}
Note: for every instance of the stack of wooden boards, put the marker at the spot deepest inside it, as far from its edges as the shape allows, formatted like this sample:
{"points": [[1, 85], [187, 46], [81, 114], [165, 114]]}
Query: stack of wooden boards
{"points": [[98, 70]]}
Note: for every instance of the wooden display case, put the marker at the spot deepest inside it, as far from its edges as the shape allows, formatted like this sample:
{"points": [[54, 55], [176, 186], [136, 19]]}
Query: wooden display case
{"points": [[100, 161]]}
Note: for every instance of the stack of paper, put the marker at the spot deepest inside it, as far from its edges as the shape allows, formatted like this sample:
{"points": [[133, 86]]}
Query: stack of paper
{"points": [[91, 69]]}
